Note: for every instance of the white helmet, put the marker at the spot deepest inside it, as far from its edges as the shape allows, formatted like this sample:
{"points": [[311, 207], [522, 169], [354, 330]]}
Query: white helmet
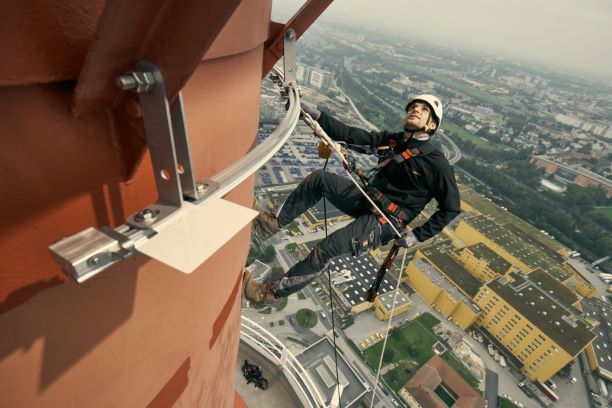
{"points": [[434, 104]]}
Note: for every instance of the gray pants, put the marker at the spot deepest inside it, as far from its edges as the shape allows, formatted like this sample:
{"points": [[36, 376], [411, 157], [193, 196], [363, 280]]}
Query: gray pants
{"points": [[361, 235]]}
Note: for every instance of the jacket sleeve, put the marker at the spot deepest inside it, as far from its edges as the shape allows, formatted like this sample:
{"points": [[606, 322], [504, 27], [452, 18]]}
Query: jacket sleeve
{"points": [[446, 194], [352, 135]]}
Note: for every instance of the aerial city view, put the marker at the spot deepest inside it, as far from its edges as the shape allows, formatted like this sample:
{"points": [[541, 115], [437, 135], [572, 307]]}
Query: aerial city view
{"points": [[507, 306], [306, 204]]}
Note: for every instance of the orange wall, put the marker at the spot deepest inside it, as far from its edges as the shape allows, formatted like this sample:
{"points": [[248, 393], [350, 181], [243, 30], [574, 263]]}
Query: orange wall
{"points": [[139, 333]]}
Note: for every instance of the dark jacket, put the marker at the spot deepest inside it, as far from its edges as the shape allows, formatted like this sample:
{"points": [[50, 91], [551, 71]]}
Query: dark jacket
{"points": [[412, 183]]}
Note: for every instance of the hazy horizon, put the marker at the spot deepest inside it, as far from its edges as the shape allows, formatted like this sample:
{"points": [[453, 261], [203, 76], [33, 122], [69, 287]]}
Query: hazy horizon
{"points": [[532, 31]]}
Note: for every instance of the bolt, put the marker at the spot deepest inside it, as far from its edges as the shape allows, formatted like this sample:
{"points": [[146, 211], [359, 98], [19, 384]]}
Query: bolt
{"points": [[200, 187], [146, 214], [290, 35], [94, 260], [137, 81], [127, 82]]}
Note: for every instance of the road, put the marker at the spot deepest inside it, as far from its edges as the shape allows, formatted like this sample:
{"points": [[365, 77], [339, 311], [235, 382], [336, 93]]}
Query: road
{"points": [[590, 273]]}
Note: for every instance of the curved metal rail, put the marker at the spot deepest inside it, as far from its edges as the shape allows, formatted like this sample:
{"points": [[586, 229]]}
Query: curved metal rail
{"points": [[245, 167], [276, 351]]}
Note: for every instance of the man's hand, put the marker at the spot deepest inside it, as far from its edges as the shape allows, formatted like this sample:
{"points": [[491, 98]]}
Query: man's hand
{"points": [[408, 239], [326, 149]]}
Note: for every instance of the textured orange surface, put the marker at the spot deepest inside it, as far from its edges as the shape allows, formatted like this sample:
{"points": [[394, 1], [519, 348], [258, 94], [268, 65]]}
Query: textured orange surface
{"points": [[119, 339]]}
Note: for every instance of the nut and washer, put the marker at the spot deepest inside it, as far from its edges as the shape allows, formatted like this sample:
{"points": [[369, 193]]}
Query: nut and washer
{"points": [[146, 215], [137, 81]]}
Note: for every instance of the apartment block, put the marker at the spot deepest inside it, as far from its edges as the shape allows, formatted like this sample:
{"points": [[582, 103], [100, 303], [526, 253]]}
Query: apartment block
{"points": [[534, 318]]}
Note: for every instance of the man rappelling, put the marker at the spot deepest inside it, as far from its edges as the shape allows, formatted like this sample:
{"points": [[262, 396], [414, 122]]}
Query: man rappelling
{"points": [[410, 173]]}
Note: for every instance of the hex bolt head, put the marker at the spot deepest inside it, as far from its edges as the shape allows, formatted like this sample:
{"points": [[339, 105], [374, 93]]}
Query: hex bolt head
{"points": [[146, 215], [290, 35], [200, 187], [127, 82], [137, 81]]}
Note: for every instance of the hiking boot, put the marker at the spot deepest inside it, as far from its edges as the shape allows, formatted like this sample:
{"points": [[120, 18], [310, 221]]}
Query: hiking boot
{"points": [[256, 292], [265, 224]]}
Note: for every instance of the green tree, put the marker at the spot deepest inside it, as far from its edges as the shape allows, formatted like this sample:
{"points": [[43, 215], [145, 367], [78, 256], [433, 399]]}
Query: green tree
{"points": [[269, 253], [388, 356]]}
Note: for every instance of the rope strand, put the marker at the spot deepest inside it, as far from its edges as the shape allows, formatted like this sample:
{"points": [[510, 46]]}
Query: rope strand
{"points": [[331, 302], [399, 279]]}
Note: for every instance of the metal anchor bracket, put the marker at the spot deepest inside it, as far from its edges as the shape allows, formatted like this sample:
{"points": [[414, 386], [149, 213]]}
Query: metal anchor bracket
{"points": [[168, 145], [85, 254], [190, 220]]}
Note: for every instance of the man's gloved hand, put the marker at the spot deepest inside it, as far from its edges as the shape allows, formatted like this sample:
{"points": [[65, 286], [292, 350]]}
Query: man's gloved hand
{"points": [[325, 150], [310, 109], [408, 239]]}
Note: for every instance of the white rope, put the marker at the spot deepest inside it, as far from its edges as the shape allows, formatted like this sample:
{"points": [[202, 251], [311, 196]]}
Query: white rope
{"points": [[399, 279]]}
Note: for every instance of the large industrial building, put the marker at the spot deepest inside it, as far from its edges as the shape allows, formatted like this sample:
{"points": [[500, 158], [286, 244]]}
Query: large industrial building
{"points": [[508, 245], [534, 318], [351, 279], [482, 262], [523, 252], [430, 272]]}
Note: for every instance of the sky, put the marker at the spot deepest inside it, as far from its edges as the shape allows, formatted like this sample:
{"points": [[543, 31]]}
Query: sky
{"points": [[568, 34]]}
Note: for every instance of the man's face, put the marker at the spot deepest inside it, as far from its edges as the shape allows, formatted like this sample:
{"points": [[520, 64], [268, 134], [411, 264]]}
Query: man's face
{"points": [[417, 116]]}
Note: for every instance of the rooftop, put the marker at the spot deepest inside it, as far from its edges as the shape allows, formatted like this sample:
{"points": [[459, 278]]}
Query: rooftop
{"points": [[517, 247], [364, 270], [319, 361], [496, 263], [437, 373], [602, 312], [535, 243], [440, 280], [560, 323], [316, 214], [453, 270], [386, 299], [486, 206], [258, 269], [555, 288]]}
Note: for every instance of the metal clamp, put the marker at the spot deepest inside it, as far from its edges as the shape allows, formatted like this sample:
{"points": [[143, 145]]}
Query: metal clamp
{"points": [[85, 254]]}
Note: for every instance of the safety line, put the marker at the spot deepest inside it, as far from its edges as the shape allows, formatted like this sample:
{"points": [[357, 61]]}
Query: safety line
{"points": [[399, 279], [331, 301]]}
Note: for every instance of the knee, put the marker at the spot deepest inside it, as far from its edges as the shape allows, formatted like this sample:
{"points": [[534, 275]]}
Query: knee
{"points": [[316, 176], [317, 179]]}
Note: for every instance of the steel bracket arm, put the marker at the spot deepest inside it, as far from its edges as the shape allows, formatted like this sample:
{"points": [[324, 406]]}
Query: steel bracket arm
{"points": [[180, 228]]}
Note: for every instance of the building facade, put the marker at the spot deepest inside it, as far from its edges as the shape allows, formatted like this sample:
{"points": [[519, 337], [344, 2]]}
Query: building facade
{"points": [[541, 331]]}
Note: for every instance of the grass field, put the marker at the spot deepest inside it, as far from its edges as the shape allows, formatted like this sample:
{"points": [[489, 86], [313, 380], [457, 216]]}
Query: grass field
{"points": [[467, 136], [412, 347], [306, 318]]}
